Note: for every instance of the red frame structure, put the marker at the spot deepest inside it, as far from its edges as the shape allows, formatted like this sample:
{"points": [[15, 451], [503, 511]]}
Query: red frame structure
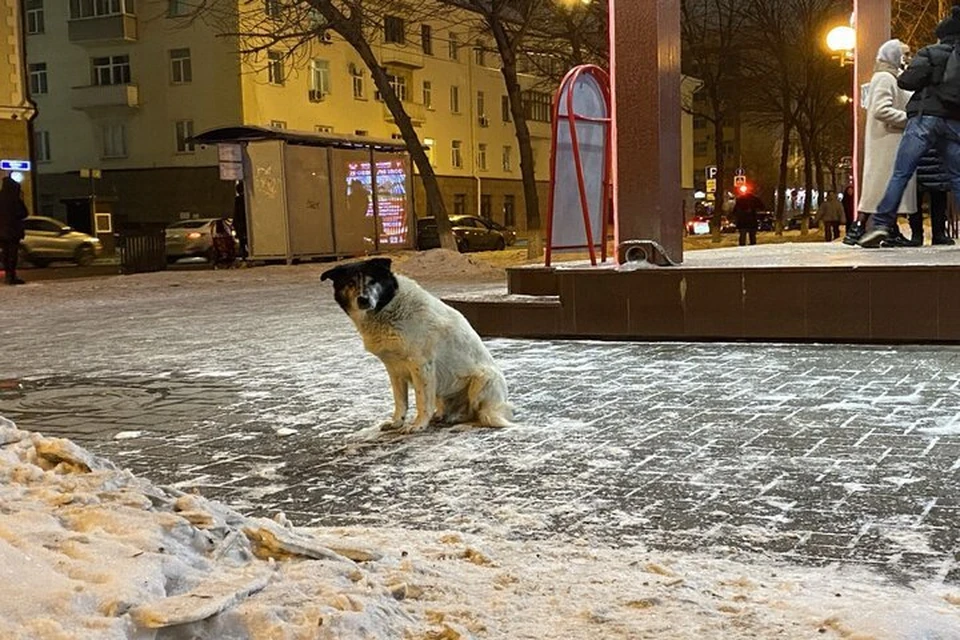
{"points": [[603, 79]]}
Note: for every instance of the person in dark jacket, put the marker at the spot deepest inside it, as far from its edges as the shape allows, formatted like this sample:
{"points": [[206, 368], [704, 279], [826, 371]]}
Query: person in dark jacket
{"points": [[745, 217], [932, 123], [12, 214], [934, 181], [848, 207], [240, 220]]}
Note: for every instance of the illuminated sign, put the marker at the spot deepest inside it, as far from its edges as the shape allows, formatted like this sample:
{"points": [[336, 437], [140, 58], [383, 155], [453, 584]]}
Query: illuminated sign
{"points": [[391, 195], [15, 165]]}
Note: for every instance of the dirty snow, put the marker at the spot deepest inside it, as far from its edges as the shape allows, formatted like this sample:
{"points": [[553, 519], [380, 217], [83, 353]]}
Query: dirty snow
{"points": [[96, 552]]}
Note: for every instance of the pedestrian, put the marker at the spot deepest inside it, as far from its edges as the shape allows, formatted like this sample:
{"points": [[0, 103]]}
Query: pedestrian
{"points": [[934, 122], [745, 217], [830, 212], [12, 214], [223, 246], [934, 182], [886, 118], [848, 207], [240, 220]]}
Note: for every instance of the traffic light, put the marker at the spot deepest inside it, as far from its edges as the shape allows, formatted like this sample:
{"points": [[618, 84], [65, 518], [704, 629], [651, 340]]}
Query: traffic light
{"points": [[742, 189]]}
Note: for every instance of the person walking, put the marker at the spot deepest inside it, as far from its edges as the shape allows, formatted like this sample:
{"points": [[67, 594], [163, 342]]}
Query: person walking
{"points": [[886, 118], [848, 207], [12, 214], [830, 213], [934, 182], [745, 217], [933, 123]]}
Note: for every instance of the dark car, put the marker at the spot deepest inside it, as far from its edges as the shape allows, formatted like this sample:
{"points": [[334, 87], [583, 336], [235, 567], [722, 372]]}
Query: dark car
{"points": [[471, 233], [796, 221]]}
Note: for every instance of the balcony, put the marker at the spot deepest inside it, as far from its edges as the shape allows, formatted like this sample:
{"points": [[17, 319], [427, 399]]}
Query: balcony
{"points": [[417, 113], [103, 29], [106, 97], [408, 56]]}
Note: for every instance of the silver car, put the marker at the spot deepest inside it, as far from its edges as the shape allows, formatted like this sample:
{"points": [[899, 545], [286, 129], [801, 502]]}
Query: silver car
{"points": [[46, 240], [192, 238]]}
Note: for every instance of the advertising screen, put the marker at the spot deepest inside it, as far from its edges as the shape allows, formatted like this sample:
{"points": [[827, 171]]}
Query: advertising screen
{"points": [[391, 197]]}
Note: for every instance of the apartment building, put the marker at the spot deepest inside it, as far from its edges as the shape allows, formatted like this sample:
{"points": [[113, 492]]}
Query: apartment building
{"points": [[15, 106], [121, 86]]}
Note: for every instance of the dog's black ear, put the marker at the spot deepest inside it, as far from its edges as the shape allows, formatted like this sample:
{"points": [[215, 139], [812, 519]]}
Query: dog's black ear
{"points": [[380, 263], [330, 274]]}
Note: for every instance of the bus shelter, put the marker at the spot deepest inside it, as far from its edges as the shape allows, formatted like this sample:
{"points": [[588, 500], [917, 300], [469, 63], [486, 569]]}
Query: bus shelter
{"points": [[313, 195]]}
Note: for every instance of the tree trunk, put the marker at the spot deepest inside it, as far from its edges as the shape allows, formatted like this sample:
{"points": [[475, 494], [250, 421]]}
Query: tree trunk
{"points": [[807, 180], [716, 221], [431, 186], [508, 69], [819, 173], [784, 171]]}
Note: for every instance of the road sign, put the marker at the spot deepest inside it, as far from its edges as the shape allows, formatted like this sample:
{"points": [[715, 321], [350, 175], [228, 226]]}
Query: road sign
{"points": [[740, 172], [90, 173], [15, 165], [711, 185], [711, 171], [739, 180]]}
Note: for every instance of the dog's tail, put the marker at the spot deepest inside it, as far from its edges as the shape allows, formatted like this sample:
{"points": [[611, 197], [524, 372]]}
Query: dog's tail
{"points": [[490, 397]]}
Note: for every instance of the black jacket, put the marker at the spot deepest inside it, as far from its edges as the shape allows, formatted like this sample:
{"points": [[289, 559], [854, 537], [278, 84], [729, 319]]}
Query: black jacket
{"points": [[12, 211], [922, 77], [745, 211], [931, 174]]}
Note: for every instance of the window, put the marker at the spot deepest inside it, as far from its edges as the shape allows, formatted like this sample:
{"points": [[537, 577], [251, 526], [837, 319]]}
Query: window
{"points": [[38, 78], [178, 8], [356, 74], [272, 9], [41, 144], [486, 206], [460, 207], [482, 108], [114, 140], [428, 94], [482, 156], [509, 210], [111, 70], [97, 8], [393, 30], [399, 84], [426, 39], [184, 132], [537, 106], [454, 46], [323, 128], [320, 77], [480, 55], [428, 146], [505, 113], [454, 99], [181, 70], [275, 67], [278, 124], [456, 154], [34, 10], [508, 159]]}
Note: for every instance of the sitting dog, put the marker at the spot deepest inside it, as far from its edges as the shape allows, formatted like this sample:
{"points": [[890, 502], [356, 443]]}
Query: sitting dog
{"points": [[422, 342]]}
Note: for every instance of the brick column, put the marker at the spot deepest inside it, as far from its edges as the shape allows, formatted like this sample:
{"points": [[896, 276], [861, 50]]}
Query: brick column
{"points": [[645, 69], [872, 22]]}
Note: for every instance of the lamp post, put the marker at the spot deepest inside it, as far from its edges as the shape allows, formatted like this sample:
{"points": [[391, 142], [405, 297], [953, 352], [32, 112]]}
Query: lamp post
{"points": [[842, 41]]}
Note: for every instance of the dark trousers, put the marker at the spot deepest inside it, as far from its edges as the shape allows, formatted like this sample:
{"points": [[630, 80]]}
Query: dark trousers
{"points": [[11, 252], [743, 236], [938, 215], [831, 230]]}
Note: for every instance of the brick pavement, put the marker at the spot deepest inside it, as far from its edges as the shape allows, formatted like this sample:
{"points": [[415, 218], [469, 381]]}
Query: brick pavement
{"points": [[252, 388]]}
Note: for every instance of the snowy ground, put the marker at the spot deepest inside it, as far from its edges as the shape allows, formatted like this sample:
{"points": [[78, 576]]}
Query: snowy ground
{"points": [[651, 490]]}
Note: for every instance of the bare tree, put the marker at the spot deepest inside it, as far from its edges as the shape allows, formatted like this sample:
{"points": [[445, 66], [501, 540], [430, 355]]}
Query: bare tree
{"points": [[300, 25]]}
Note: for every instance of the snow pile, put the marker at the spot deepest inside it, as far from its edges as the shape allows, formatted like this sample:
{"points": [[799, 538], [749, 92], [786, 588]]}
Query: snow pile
{"points": [[91, 551], [443, 264]]}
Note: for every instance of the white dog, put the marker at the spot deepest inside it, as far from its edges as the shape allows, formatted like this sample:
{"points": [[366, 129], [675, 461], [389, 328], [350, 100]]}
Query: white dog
{"points": [[422, 342]]}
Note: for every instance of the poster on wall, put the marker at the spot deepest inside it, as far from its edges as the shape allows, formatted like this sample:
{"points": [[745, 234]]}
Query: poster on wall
{"points": [[391, 189]]}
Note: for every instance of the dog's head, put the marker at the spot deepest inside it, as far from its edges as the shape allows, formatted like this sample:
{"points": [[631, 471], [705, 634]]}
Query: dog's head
{"points": [[363, 287]]}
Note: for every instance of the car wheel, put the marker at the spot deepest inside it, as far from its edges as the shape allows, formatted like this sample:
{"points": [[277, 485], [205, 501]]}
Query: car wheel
{"points": [[172, 259], [500, 245], [84, 256], [462, 246]]}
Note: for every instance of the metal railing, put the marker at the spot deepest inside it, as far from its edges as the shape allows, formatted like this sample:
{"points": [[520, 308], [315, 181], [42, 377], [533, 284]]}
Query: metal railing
{"points": [[142, 252]]}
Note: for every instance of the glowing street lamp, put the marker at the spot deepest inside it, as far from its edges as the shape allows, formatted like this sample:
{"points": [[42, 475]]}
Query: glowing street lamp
{"points": [[842, 41]]}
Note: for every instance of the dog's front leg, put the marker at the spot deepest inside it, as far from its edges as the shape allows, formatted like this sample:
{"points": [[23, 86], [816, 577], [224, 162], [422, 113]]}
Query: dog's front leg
{"points": [[425, 390], [398, 382]]}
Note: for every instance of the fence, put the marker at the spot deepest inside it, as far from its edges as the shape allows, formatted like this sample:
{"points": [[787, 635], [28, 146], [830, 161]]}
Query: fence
{"points": [[142, 252]]}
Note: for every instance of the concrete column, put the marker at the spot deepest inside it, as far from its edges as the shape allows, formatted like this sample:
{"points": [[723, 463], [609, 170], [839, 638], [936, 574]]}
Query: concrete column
{"points": [[872, 22], [645, 69]]}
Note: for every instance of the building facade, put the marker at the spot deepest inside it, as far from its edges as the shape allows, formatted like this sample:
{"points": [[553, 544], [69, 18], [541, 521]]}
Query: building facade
{"points": [[16, 110], [121, 87]]}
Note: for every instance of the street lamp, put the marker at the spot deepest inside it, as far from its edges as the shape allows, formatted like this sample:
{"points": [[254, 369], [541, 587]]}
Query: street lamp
{"points": [[842, 41]]}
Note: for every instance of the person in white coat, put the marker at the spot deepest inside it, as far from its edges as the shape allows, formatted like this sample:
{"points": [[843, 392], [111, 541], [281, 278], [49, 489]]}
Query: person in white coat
{"points": [[886, 118]]}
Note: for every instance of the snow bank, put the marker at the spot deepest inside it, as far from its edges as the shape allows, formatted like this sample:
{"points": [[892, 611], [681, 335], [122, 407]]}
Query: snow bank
{"points": [[443, 264], [91, 551]]}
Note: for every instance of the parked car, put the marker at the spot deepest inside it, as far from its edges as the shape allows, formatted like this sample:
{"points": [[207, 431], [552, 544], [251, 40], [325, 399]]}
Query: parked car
{"points": [[47, 239], [795, 221], [193, 238], [471, 233]]}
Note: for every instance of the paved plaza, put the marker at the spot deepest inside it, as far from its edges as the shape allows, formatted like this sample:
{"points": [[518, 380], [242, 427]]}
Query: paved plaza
{"points": [[253, 388]]}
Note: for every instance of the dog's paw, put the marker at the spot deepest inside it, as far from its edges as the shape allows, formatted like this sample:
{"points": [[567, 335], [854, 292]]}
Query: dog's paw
{"points": [[392, 425], [413, 427]]}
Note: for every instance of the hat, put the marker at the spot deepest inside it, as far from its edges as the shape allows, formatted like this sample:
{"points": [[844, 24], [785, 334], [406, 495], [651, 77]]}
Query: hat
{"points": [[949, 26]]}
